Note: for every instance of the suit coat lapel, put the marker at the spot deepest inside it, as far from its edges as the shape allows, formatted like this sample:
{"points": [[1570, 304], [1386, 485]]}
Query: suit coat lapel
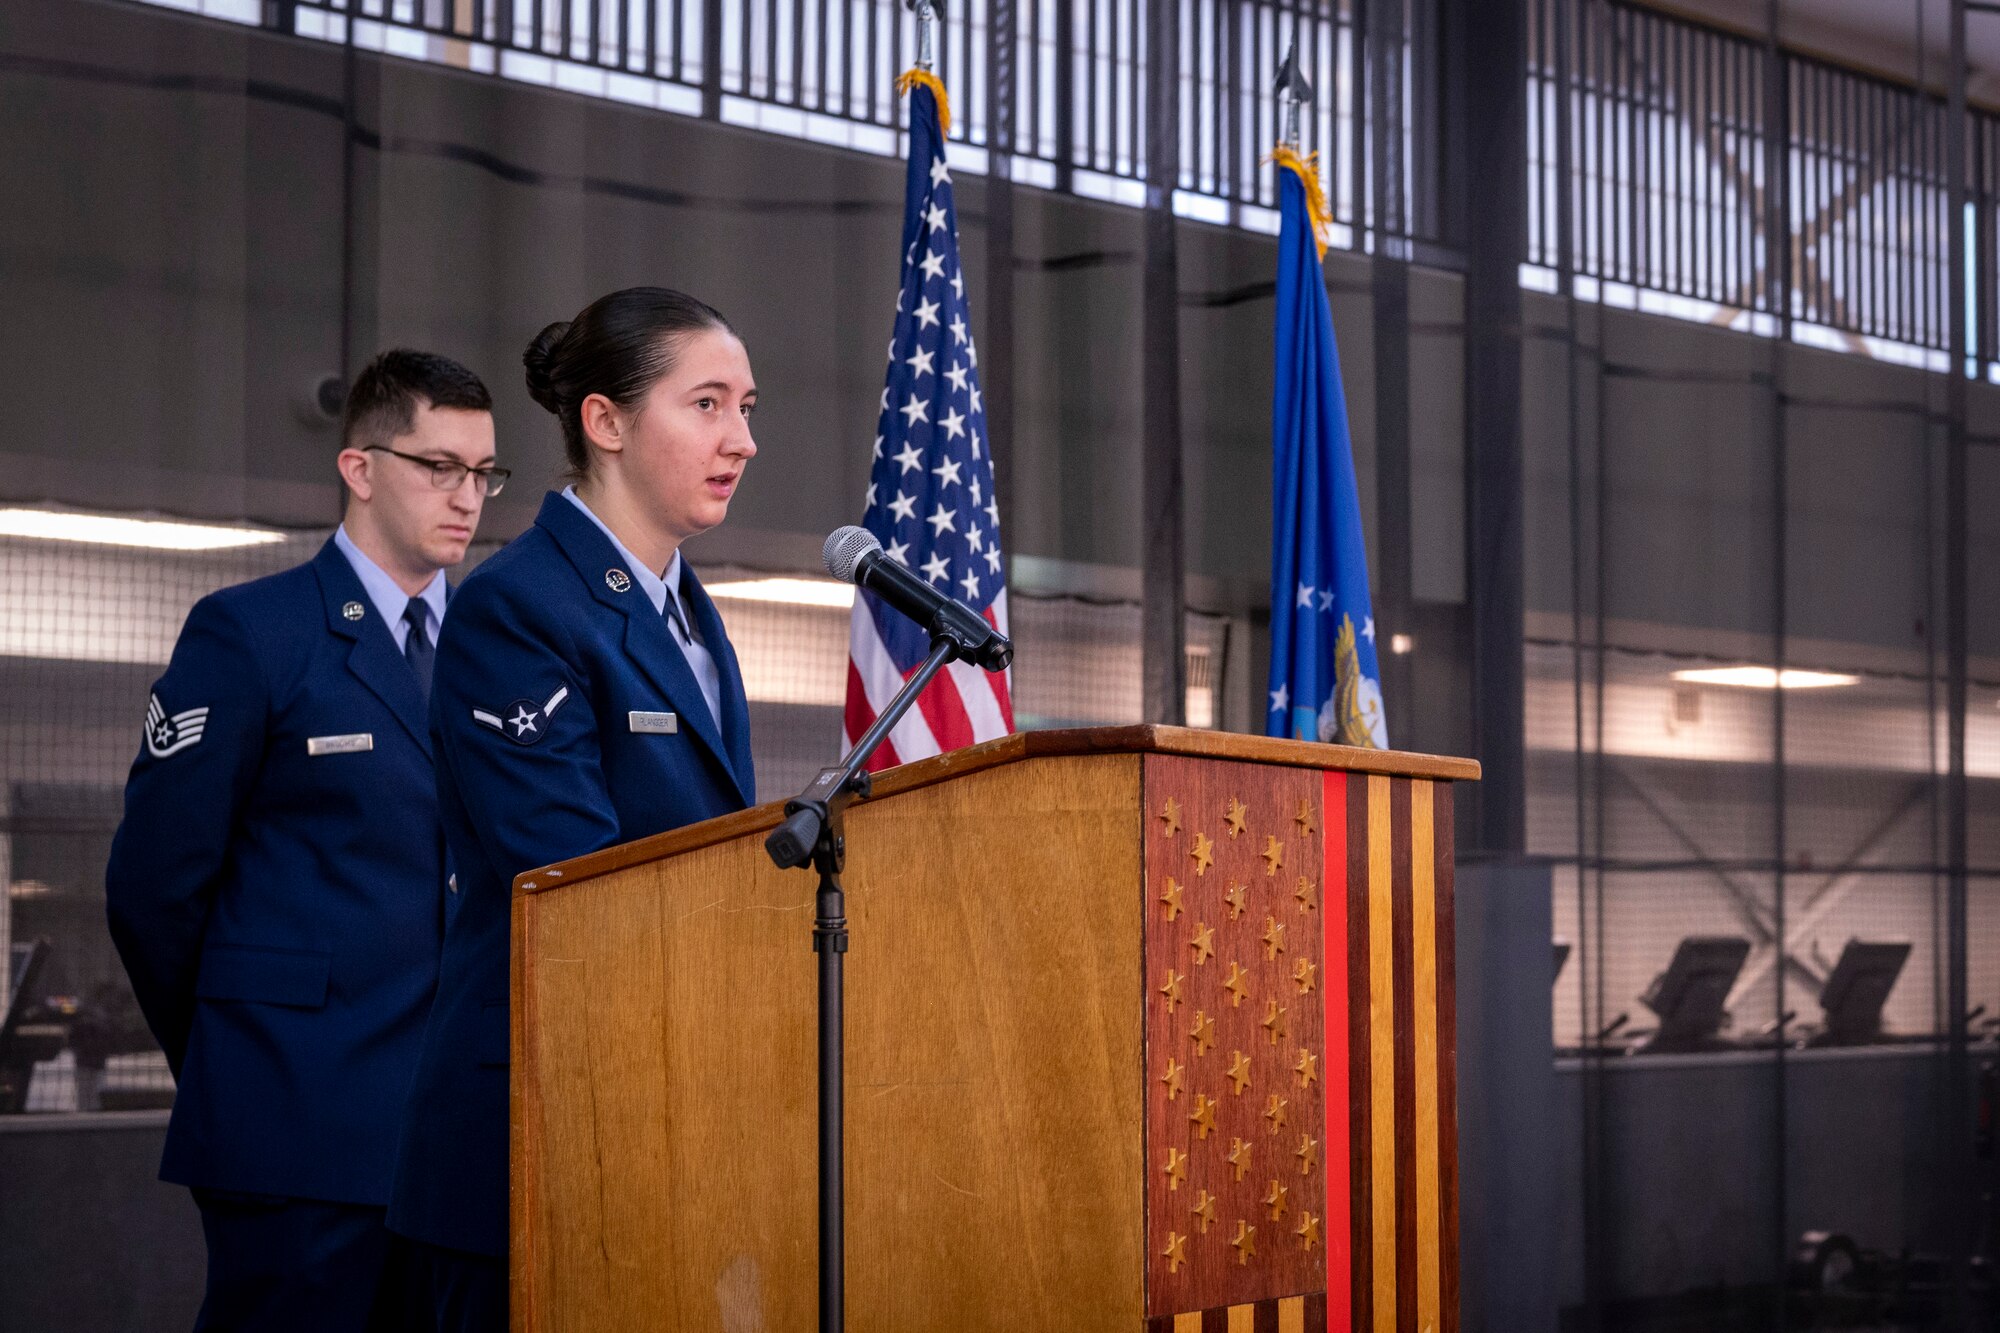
{"points": [[372, 657], [647, 641]]}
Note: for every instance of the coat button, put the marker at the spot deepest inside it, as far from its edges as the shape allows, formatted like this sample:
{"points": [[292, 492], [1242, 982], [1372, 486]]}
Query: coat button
{"points": [[452, 883]]}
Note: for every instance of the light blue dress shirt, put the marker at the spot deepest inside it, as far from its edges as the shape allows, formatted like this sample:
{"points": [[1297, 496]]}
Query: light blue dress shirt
{"points": [[659, 589], [389, 599]]}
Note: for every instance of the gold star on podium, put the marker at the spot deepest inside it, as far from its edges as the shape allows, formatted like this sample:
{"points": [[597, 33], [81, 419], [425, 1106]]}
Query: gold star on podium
{"points": [[1203, 942], [1274, 1023], [1239, 1156], [1305, 894], [1274, 937], [1237, 983], [1274, 1111], [1308, 1154], [1170, 815], [1275, 1200], [1176, 1168], [1203, 1116], [1176, 1252], [1203, 853], [1239, 1071], [1204, 1211], [1238, 812], [1306, 974], [1171, 988], [1174, 1078], [1171, 896], [1308, 1231], [1202, 1033], [1245, 1241], [1304, 818], [1273, 854], [1307, 1069], [1238, 898]]}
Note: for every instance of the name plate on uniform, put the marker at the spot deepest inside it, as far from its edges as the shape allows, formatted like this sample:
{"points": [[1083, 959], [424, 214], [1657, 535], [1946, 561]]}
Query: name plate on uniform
{"points": [[654, 724], [354, 744]]}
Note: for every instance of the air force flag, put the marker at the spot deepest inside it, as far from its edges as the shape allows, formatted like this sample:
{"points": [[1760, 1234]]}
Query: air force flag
{"points": [[1326, 684]]}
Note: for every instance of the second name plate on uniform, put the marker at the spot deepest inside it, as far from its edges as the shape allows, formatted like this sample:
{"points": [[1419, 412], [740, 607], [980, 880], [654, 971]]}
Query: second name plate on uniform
{"points": [[654, 724], [350, 744]]}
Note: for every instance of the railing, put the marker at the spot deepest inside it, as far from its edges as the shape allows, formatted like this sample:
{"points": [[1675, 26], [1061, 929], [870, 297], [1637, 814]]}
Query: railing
{"points": [[1073, 91], [1672, 152], [1672, 128]]}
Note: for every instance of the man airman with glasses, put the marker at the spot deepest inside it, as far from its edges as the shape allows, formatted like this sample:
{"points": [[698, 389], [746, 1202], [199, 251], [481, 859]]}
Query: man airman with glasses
{"points": [[278, 889]]}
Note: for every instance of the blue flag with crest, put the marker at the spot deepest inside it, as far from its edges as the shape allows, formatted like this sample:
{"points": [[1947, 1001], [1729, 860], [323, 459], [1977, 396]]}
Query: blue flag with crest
{"points": [[1326, 682]]}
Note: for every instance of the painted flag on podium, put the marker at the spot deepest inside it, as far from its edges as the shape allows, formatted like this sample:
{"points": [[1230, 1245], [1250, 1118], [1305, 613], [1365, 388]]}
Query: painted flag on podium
{"points": [[1326, 682], [930, 490]]}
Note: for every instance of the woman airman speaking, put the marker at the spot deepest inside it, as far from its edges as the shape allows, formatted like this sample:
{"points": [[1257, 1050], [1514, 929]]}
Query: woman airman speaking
{"points": [[586, 694]]}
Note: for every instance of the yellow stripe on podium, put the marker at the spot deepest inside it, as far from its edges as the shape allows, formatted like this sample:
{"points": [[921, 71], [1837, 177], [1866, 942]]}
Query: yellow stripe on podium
{"points": [[1423, 955]]}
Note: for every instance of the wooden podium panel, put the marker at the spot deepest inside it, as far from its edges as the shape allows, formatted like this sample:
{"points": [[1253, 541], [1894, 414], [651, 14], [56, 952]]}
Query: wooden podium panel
{"points": [[1011, 1026]]}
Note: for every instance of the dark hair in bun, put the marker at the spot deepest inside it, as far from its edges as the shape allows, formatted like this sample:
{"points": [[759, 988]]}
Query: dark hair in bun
{"points": [[620, 345]]}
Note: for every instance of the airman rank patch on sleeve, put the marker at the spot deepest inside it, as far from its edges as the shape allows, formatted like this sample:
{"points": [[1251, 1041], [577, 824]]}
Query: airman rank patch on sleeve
{"points": [[170, 735], [524, 721]]}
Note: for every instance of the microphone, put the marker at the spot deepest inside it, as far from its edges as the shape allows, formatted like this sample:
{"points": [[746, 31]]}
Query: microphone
{"points": [[853, 555]]}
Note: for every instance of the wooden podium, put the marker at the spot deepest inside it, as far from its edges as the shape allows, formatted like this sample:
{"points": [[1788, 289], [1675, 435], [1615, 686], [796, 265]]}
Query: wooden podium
{"points": [[1147, 1029]]}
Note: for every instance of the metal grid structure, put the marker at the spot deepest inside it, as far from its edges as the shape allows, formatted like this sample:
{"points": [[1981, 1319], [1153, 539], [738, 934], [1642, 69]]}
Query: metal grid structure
{"points": [[1672, 134], [1788, 823], [1676, 133], [1065, 78]]}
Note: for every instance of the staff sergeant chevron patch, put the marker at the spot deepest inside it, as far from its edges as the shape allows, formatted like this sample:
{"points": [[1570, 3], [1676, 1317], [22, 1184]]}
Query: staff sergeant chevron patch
{"points": [[170, 735]]}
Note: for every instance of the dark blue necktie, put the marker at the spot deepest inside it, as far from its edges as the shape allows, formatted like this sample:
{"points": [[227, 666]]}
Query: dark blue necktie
{"points": [[417, 649], [675, 617]]}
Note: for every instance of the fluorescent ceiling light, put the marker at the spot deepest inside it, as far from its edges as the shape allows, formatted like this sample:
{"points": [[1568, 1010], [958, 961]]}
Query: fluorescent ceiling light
{"points": [[1764, 678], [153, 534], [798, 592]]}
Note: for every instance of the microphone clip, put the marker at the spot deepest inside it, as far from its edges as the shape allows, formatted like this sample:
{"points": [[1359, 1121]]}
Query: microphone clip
{"points": [[811, 830]]}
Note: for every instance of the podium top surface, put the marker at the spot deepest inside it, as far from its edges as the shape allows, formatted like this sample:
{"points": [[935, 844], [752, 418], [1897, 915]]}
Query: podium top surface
{"points": [[1138, 739]]}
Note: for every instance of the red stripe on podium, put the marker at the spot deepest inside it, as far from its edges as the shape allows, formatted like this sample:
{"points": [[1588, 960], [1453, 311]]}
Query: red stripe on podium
{"points": [[1333, 988]]}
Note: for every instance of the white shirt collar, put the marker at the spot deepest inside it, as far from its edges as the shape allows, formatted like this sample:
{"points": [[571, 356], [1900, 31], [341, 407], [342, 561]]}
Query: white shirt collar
{"points": [[706, 672], [389, 599], [655, 586]]}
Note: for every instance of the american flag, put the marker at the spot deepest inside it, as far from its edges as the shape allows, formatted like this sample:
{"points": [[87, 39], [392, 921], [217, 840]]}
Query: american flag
{"points": [[930, 492]]}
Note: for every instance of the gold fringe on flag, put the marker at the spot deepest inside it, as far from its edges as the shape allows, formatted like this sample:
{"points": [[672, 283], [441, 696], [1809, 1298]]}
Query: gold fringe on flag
{"points": [[1306, 168], [910, 78]]}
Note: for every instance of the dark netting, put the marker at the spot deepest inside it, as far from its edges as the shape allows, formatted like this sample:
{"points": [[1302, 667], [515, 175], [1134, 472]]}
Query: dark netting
{"points": [[84, 631], [1751, 884]]}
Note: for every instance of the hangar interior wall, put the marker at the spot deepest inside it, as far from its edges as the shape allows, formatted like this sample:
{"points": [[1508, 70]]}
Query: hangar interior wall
{"points": [[174, 267]]}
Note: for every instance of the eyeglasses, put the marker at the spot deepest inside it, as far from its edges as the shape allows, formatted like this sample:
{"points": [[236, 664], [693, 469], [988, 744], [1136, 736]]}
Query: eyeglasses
{"points": [[448, 474]]}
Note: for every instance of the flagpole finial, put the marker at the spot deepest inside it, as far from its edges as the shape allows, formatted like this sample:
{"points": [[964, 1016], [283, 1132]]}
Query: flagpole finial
{"points": [[1293, 89], [927, 11]]}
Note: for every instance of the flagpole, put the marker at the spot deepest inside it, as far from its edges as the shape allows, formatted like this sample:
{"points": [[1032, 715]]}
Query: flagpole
{"points": [[926, 12], [1293, 92]]}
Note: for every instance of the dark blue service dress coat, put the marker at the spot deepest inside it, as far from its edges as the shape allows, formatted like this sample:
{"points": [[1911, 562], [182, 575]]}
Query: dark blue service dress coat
{"points": [[555, 678], [277, 887]]}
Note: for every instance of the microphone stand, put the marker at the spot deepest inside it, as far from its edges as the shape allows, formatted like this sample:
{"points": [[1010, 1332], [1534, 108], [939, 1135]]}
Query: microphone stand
{"points": [[812, 834]]}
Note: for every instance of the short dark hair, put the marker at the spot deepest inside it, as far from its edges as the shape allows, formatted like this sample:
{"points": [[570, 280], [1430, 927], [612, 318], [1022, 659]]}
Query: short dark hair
{"points": [[619, 345], [386, 394]]}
